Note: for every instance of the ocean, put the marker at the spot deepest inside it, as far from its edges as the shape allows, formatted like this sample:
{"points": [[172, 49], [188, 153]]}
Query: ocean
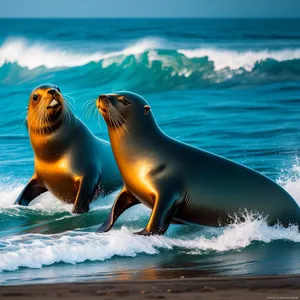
{"points": [[229, 86]]}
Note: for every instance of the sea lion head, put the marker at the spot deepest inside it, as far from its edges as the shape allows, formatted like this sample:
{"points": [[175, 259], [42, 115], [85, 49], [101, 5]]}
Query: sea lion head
{"points": [[47, 109], [124, 109]]}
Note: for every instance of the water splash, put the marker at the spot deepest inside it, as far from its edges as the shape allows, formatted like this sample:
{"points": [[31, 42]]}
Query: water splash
{"points": [[36, 251]]}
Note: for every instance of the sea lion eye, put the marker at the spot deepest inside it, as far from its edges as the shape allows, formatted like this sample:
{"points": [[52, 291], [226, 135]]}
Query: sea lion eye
{"points": [[58, 89], [146, 109], [34, 97], [124, 101]]}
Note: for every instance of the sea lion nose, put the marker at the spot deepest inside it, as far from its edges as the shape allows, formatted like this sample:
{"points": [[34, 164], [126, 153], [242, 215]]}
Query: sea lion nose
{"points": [[104, 99], [51, 92]]}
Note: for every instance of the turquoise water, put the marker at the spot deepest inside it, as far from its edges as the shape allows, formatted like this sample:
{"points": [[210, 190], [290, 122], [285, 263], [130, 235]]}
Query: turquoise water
{"points": [[227, 86]]}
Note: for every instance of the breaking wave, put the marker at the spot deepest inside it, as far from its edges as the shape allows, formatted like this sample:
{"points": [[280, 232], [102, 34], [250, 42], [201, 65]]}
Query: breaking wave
{"points": [[158, 67]]}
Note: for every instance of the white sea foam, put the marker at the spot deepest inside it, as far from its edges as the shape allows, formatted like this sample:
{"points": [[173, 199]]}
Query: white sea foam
{"points": [[240, 59], [34, 54], [9, 193], [35, 251], [46, 201]]}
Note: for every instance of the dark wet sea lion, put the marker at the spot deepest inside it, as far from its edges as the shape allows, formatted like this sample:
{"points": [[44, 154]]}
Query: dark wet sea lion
{"points": [[179, 182], [69, 161]]}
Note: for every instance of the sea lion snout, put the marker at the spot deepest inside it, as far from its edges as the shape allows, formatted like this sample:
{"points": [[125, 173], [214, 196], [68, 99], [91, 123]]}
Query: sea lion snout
{"points": [[103, 102], [52, 92], [104, 99], [55, 100]]}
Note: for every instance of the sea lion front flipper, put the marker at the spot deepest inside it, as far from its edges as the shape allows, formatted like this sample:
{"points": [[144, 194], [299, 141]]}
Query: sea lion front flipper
{"points": [[163, 211], [123, 201], [85, 194], [33, 189]]}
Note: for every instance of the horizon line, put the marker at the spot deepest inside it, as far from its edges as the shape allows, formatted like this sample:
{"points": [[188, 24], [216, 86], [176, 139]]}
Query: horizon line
{"points": [[150, 17]]}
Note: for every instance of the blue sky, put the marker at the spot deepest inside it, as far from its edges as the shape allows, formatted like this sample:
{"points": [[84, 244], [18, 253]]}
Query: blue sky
{"points": [[149, 8]]}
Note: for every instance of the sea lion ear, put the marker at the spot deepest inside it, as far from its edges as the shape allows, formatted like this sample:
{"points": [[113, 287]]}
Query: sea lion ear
{"points": [[146, 109]]}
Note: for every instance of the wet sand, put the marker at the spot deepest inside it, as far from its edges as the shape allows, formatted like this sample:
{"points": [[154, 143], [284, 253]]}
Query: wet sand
{"points": [[265, 287]]}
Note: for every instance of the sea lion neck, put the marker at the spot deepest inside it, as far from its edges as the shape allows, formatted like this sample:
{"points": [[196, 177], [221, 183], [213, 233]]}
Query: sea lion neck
{"points": [[133, 144], [53, 145]]}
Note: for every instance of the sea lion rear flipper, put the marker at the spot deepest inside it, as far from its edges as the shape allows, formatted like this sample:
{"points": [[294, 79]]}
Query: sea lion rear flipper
{"points": [[123, 201], [164, 209], [33, 189]]}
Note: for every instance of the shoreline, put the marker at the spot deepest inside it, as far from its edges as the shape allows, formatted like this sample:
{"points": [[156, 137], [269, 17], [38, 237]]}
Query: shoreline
{"points": [[240, 287]]}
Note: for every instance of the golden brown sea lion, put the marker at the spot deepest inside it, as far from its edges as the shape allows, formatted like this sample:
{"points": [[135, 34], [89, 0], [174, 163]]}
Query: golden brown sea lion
{"points": [[69, 161], [179, 182]]}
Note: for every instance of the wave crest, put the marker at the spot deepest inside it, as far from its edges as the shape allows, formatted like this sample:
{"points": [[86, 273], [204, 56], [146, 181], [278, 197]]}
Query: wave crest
{"points": [[33, 55], [25, 54], [159, 68], [77, 247]]}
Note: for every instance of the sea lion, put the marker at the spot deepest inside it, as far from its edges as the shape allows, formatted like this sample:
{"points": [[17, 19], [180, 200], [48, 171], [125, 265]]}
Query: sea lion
{"points": [[179, 182], [69, 161]]}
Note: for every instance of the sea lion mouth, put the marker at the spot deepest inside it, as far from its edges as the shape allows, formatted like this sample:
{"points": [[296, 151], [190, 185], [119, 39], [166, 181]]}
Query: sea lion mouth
{"points": [[103, 109], [54, 103]]}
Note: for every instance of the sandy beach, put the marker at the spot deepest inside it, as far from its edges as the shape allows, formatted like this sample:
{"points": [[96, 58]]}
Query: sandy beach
{"points": [[265, 287]]}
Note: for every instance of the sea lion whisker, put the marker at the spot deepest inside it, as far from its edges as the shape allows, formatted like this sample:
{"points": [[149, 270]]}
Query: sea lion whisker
{"points": [[112, 120], [69, 104], [89, 109], [122, 122], [99, 121], [24, 122], [95, 113], [114, 117], [70, 108], [26, 117], [87, 103], [67, 95], [44, 117], [118, 127], [33, 115], [68, 116], [115, 114], [119, 115], [110, 117], [121, 126], [84, 111], [86, 106]]}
